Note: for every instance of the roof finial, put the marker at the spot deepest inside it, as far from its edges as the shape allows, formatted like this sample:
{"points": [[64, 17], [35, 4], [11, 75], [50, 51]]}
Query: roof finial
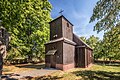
{"points": [[61, 11]]}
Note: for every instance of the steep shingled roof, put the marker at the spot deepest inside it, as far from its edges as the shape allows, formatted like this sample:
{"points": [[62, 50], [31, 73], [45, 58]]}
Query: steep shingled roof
{"points": [[79, 41]]}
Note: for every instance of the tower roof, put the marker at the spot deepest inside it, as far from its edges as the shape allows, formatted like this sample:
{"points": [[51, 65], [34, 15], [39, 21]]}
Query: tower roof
{"points": [[61, 17]]}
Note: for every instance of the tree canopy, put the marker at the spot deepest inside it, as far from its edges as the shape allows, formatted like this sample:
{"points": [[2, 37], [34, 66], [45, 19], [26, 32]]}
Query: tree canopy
{"points": [[107, 14], [111, 43], [28, 23]]}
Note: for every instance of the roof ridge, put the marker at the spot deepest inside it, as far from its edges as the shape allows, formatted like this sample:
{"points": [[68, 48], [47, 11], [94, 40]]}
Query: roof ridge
{"points": [[60, 17]]}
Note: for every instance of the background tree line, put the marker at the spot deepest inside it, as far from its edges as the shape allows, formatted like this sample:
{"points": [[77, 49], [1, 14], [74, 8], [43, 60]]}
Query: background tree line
{"points": [[108, 48]]}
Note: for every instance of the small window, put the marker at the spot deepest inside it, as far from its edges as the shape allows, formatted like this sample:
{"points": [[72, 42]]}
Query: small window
{"points": [[67, 24]]}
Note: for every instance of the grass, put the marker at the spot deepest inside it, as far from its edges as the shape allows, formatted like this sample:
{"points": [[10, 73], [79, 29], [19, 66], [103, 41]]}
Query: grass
{"points": [[95, 72], [21, 67]]}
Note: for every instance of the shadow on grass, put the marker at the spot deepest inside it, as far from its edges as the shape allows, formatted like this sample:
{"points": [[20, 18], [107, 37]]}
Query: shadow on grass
{"points": [[35, 66], [97, 75], [115, 65], [109, 64], [9, 76], [49, 77]]}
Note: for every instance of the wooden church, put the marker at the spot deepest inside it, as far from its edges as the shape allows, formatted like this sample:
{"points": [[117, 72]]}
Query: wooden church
{"points": [[65, 50]]}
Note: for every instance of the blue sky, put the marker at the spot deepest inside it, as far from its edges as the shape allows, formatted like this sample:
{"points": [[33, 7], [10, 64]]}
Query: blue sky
{"points": [[78, 12]]}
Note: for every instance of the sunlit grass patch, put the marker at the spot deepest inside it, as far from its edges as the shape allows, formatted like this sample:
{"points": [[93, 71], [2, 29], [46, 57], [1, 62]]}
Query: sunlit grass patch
{"points": [[95, 72]]}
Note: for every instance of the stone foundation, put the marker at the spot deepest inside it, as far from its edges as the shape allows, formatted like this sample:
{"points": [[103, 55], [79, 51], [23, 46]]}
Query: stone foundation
{"points": [[65, 67], [89, 65], [68, 66], [59, 66]]}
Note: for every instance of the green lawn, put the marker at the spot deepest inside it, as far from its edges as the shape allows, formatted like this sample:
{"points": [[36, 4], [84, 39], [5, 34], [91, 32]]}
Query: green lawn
{"points": [[96, 72]]}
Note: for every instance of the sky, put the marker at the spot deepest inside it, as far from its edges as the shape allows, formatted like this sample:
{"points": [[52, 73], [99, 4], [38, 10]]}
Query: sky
{"points": [[78, 12]]}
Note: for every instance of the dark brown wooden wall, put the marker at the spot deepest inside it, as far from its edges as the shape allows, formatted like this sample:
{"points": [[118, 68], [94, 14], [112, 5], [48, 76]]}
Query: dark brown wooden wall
{"points": [[80, 57], [83, 57], [56, 29], [68, 53], [67, 29], [88, 56], [58, 55]]}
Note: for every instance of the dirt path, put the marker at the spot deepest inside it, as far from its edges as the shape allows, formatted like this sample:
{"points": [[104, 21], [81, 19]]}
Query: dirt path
{"points": [[27, 71], [34, 73]]}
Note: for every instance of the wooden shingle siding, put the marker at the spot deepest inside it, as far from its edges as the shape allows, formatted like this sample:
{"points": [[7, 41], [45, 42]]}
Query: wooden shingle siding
{"points": [[57, 46], [56, 29], [67, 29], [68, 56], [80, 57]]}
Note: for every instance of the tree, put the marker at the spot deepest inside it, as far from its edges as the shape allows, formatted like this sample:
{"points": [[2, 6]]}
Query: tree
{"points": [[107, 14], [112, 43], [83, 38], [92, 41], [99, 50], [27, 22]]}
